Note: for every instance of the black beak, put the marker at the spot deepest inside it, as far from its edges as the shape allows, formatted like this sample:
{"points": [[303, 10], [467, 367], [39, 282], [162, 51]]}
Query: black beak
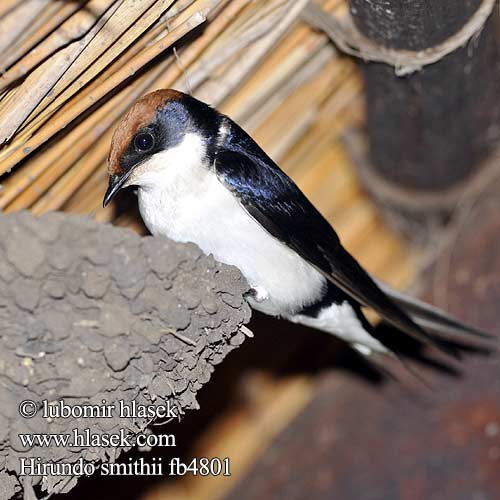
{"points": [[115, 184]]}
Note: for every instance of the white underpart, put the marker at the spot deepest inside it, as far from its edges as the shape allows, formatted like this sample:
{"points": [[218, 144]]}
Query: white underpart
{"points": [[341, 320], [179, 197]]}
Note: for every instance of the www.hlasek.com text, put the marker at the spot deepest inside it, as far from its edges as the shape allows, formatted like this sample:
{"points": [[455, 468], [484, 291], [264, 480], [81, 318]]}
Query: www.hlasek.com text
{"points": [[85, 438]]}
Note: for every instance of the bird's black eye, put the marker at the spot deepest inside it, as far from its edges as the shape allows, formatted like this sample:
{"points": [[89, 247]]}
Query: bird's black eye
{"points": [[144, 142]]}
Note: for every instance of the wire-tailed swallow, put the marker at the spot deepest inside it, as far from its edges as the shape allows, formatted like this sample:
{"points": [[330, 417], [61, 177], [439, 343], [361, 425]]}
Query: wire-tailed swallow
{"points": [[201, 178]]}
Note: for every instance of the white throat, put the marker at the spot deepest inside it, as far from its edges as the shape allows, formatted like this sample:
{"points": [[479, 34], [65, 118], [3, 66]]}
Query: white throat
{"points": [[169, 182], [170, 166]]}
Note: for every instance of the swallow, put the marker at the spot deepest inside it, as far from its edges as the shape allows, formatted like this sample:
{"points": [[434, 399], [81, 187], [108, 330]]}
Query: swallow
{"points": [[201, 178]]}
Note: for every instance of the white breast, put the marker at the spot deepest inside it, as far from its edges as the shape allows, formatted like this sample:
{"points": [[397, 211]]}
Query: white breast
{"points": [[183, 200]]}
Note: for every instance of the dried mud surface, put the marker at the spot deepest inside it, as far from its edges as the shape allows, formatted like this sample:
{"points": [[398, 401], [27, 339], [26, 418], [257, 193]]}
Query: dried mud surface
{"points": [[90, 312]]}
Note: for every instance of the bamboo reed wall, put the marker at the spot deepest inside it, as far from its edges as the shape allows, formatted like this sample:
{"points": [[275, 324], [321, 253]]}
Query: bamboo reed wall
{"points": [[70, 69]]}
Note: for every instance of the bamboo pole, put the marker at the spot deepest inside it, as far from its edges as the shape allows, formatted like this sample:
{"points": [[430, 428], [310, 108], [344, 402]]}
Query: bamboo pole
{"points": [[69, 28], [40, 83], [57, 124], [16, 21]]}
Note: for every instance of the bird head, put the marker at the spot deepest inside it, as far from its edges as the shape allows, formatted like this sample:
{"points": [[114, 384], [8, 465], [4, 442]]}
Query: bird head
{"points": [[163, 127]]}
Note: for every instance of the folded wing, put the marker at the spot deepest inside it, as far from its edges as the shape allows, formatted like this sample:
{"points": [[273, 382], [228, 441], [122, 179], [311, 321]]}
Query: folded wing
{"points": [[273, 200]]}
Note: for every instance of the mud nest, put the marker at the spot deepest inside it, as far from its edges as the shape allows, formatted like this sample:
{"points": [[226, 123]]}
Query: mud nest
{"points": [[90, 312]]}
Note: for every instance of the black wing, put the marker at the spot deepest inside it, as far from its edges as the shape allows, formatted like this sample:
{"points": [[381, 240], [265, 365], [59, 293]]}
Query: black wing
{"points": [[274, 200]]}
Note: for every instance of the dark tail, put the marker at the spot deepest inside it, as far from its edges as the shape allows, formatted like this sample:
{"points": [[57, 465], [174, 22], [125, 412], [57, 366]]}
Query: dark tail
{"points": [[432, 318]]}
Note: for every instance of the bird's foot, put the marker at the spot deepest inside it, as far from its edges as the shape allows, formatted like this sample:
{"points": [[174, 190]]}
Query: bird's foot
{"points": [[258, 293]]}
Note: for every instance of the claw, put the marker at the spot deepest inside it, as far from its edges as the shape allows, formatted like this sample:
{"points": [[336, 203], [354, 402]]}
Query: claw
{"points": [[259, 294]]}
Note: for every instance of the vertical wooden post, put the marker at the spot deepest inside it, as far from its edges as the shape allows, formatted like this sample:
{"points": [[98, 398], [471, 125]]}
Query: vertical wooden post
{"points": [[429, 132]]}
